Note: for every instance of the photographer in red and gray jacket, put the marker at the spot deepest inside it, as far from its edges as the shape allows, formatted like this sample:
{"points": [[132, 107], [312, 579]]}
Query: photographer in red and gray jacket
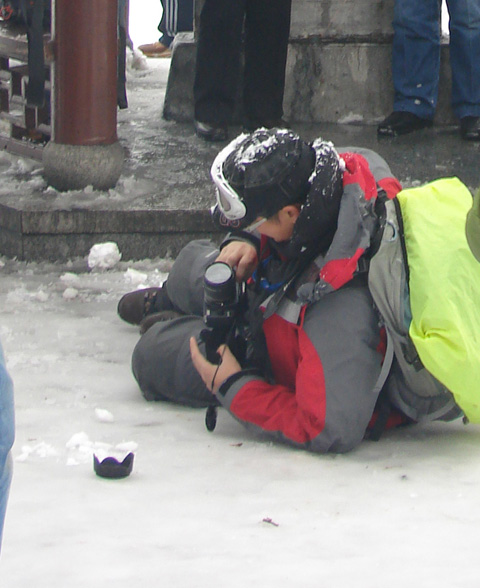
{"points": [[303, 220]]}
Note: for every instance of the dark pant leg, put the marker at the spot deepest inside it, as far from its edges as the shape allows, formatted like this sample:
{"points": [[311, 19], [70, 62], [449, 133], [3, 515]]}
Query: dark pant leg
{"points": [[185, 280], [162, 365], [184, 16], [267, 29], [177, 17], [165, 38], [161, 360], [218, 60]]}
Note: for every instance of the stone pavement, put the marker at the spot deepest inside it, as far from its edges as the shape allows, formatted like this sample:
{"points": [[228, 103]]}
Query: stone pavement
{"points": [[164, 193]]}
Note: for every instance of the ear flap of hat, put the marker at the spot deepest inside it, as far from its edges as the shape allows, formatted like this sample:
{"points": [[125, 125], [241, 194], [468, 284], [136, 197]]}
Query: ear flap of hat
{"points": [[317, 223]]}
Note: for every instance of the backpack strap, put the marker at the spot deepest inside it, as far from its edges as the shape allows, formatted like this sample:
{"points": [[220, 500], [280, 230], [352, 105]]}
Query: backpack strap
{"points": [[401, 234], [384, 407]]}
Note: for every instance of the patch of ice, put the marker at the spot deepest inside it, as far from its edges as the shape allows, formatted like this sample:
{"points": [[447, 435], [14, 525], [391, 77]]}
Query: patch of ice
{"points": [[18, 295], [135, 277], [78, 440], [70, 293], [349, 118], [41, 295], [104, 416], [69, 278], [41, 449], [127, 446]]}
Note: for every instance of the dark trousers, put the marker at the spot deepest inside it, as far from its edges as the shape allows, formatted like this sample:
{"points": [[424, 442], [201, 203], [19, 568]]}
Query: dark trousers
{"points": [[219, 47], [161, 361]]}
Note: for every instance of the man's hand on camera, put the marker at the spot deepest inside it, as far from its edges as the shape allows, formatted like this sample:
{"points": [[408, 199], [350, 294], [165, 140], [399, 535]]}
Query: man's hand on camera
{"points": [[240, 256], [213, 375]]}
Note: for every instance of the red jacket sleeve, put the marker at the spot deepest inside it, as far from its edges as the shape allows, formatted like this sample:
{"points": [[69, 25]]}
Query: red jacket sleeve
{"points": [[325, 371]]}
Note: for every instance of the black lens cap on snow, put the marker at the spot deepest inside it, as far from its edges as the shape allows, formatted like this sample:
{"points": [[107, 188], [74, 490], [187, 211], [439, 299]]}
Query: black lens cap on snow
{"points": [[110, 467]]}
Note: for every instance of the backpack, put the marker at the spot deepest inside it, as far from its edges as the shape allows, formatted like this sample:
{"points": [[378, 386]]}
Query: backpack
{"points": [[409, 387], [440, 332]]}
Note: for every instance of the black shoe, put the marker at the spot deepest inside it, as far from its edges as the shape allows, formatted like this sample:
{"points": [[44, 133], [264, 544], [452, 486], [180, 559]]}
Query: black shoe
{"points": [[210, 131], [401, 123], [135, 306], [470, 128], [251, 125]]}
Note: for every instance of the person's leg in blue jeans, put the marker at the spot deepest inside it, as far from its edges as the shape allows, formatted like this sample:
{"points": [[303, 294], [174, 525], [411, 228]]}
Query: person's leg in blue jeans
{"points": [[7, 434], [465, 56], [415, 66], [416, 56]]}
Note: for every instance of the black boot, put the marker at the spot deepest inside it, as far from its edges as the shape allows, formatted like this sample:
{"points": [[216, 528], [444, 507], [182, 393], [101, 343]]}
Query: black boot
{"points": [[401, 123]]}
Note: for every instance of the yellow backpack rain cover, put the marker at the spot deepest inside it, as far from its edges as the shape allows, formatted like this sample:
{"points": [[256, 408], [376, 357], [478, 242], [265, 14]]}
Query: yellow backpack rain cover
{"points": [[444, 288]]}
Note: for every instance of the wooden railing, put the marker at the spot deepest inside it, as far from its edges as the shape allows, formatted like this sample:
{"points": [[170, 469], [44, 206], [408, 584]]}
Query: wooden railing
{"points": [[24, 129]]}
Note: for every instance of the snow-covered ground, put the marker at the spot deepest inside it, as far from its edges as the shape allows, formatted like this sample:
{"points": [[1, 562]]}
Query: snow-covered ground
{"points": [[200, 509]]}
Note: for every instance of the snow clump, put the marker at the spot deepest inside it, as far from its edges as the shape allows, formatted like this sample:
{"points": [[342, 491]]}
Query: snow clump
{"points": [[104, 256]]}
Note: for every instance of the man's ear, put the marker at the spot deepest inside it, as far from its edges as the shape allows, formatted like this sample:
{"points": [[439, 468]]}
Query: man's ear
{"points": [[291, 212]]}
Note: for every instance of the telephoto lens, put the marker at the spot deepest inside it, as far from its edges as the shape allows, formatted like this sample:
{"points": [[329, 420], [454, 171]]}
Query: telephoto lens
{"points": [[220, 309], [221, 295]]}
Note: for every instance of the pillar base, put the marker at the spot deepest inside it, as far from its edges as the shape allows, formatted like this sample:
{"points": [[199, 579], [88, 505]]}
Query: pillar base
{"points": [[74, 167]]}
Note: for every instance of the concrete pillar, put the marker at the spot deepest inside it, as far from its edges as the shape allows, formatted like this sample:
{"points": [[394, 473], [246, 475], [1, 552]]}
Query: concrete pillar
{"points": [[339, 63], [84, 149]]}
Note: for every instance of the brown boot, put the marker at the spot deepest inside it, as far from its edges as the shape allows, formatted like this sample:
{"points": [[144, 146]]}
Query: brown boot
{"points": [[156, 49], [135, 306]]}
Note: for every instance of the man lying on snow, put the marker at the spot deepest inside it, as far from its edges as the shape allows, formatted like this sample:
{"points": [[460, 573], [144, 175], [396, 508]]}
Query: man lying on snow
{"points": [[317, 370]]}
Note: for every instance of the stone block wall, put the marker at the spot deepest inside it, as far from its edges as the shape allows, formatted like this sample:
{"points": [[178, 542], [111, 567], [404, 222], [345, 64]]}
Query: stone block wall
{"points": [[341, 19]]}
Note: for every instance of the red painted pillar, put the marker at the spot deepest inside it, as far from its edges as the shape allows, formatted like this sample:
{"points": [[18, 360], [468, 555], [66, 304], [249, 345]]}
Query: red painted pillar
{"points": [[84, 149], [85, 72]]}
